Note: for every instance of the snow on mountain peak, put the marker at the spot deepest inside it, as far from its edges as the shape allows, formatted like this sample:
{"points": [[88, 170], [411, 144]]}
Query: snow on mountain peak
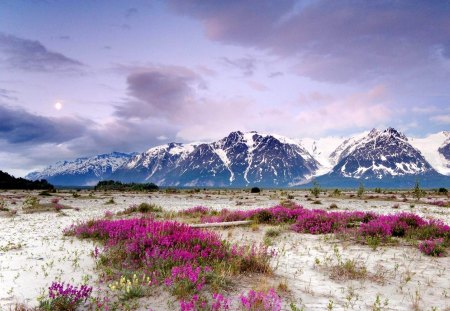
{"points": [[379, 154], [432, 148]]}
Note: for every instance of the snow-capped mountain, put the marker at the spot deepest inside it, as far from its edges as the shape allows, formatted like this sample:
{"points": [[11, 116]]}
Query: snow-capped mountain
{"points": [[381, 158], [82, 171], [153, 164], [237, 160], [376, 158], [322, 150], [380, 154], [436, 150]]}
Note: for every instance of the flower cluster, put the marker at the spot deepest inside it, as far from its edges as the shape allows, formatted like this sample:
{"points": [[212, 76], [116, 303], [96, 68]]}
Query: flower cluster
{"points": [[196, 303], [274, 214], [72, 293], [432, 247], [404, 224], [187, 278], [178, 255], [440, 203], [130, 287], [322, 222], [261, 301], [65, 296]]}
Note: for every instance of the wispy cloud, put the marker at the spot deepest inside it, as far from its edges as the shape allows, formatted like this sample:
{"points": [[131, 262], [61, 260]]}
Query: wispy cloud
{"points": [[442, 119], [32, 55], [247, 65], [130, 12], [7, 95]]}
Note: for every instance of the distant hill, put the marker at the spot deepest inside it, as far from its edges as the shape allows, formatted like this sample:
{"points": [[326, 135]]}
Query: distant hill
{"points": [[82, 171], [10, 182]]}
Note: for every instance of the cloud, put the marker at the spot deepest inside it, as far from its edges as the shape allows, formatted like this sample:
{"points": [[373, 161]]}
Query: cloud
{"points": [[131, 12], [312, 115], [442, 119], [275, 74], [7, 95], [337, 41], [18, 126], [28, 141], [246, 65], [158, 92], [359, 110], [173, 97], [247, 22], [257, 86], [31, 55]]}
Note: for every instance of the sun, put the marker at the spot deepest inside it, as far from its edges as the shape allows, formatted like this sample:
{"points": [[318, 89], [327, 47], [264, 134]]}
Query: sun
{"points": [[58, 106]]}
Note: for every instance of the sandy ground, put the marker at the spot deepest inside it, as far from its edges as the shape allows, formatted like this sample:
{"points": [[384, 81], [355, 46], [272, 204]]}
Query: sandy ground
{"points": [[34, 252]]}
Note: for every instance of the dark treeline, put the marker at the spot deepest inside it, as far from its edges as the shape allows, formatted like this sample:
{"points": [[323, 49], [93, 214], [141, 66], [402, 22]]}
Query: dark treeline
{"points": [[10, 182], [117, 185]]}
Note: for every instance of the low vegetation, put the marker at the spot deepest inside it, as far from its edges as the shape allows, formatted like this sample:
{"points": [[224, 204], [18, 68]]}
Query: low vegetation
{"points": [[109, 185], [188, 262]]}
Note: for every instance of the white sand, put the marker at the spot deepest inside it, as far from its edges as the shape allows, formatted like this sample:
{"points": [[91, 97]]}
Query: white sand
{"points": [[409, 279]]}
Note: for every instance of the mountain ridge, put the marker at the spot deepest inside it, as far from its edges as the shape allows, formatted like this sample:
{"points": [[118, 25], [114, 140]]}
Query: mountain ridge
{"points": [[250, 158]]}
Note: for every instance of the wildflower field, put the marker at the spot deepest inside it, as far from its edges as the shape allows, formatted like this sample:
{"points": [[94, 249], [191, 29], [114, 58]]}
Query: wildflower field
{"points": [[165, 253]]}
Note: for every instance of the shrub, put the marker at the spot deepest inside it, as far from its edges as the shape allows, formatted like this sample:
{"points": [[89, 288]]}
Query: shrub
{"points": [[315, 190], [442, 191], [360, 190], [255, 190], [333, 206], [337, 193], [3, 205], [417, 192], [110, 201], [31, 203], [117, 185], [263, 216], [273, 233], [148, 208], [349, 269], [185, 259], [129, 288], [432, 247], [195, 211]]}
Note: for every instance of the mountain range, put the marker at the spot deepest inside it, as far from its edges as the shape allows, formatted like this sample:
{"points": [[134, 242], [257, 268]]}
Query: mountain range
{"points": [[377, 158]]}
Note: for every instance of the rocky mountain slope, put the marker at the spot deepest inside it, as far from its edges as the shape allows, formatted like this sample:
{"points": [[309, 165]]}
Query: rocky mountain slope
{"points": [[82, 171], [382, 158]]}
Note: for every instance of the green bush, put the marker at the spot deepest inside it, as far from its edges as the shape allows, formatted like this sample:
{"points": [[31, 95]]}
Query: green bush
{"points": [[315, 190], [255, 190], [442, 191]]}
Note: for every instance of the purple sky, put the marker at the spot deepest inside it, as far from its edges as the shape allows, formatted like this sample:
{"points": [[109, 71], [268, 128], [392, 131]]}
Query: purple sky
{"points": [[134, 74]]}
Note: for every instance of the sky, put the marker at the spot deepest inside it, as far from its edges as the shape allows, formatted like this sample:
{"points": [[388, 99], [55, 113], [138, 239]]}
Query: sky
{"points": [[80, 78]]}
